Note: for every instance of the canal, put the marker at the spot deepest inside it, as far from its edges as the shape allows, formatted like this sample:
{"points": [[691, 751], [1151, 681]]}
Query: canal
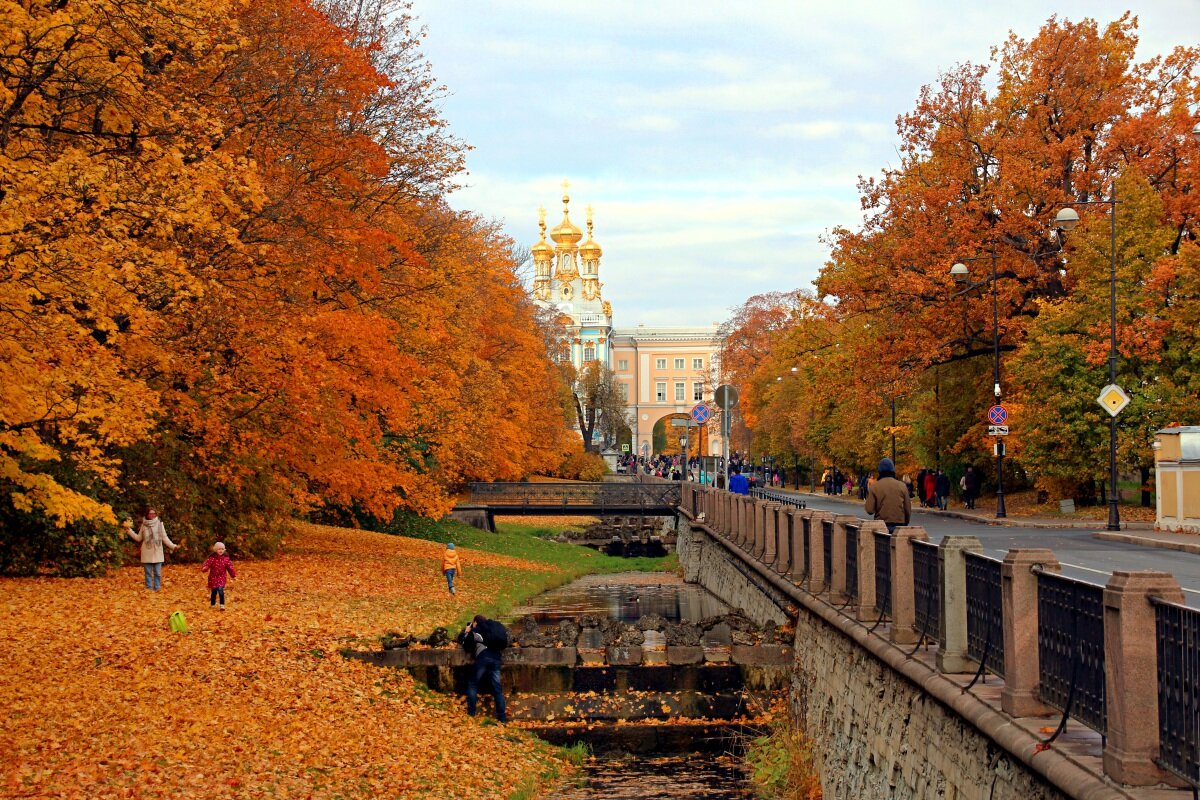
{"points": [[705, 765]]}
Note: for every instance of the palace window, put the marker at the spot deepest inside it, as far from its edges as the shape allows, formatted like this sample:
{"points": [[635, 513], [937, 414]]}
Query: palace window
{"points": [[660, 392], [623, 392], [660, 363], [679, 391], [697, 363], [589, 352], [679, 363], [697, 392], [623, 365]]}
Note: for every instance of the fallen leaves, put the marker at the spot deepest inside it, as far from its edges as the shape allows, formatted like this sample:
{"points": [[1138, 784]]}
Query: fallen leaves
{"points": [[102, 700]]}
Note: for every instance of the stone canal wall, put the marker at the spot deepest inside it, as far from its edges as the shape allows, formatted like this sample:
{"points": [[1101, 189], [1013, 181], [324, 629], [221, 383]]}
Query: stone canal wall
{"points": [[884, 727]]}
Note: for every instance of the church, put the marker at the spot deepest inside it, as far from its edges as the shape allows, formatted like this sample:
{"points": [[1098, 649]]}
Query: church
{"points": [[660, 372]]}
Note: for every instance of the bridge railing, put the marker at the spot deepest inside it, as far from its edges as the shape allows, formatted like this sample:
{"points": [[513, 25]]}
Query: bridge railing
{"points": [[1058, 643], [622, 496]]}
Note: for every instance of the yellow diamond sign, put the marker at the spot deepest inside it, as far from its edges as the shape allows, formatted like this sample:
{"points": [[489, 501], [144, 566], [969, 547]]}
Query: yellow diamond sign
{"points": [[1113, 398]]}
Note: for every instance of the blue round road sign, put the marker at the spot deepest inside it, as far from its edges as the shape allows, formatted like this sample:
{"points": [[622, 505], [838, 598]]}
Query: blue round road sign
{"points": [[700, 413], [998, 415]]}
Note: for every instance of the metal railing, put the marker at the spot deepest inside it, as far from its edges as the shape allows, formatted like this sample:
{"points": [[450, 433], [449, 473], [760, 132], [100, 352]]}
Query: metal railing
{"points": [[927, 589], [883, 573], [565, 495], [1071, 648], [806, 567], [985, 614], [1178, 630], [783, 498], [783, 544], [827, 549], [852, 534]]}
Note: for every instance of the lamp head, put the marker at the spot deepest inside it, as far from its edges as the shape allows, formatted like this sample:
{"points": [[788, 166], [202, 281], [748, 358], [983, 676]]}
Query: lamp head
{"points": [[959, 272], [1066, 219]]}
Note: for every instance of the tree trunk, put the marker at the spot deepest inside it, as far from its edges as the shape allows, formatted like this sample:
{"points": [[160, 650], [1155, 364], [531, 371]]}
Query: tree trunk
{"points": [[1145, 475]]}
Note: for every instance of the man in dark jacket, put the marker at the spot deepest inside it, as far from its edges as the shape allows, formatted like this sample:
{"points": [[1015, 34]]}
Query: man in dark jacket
{"points": [[487, 664], [888, 499]]}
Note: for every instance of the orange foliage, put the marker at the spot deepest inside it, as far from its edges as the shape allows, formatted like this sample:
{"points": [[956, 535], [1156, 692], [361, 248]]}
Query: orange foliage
{"points": [[101, 700], [984, 170], [230, 269]]}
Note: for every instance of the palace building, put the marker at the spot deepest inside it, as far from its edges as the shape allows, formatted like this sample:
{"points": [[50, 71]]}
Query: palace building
{"points": [[661, 372]]}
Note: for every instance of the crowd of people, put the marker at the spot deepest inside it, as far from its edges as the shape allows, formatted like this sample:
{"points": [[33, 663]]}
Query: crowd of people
{"points": [[931, 487]]}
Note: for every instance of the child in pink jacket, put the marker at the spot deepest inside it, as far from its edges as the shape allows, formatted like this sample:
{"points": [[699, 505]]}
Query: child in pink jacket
{"points": [[218, 566]]}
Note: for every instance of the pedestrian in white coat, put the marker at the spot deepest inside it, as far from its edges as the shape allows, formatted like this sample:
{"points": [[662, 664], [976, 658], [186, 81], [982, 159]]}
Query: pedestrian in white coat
{"points": [[152, 535]]}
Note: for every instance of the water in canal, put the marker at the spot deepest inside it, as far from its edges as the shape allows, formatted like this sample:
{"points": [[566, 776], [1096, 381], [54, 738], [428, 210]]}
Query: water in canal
{"points": [[616, 776]]}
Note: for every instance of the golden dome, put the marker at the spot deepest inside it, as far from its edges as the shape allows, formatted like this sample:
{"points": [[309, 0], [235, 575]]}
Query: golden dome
{"points": [[590, 249], [565, 232], [542, 247]]}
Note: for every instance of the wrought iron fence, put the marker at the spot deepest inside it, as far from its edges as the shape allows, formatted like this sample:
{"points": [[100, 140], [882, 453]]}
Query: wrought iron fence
{"points": [[985, 615], [927, 589], [1178, 638], [806, 567], [852, 534], [1071, 648], [784, 498], [624, 495], [827, 545], [883, 573]]}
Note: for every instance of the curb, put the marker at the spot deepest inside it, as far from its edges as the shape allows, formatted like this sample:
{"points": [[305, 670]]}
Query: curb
{"points": [[1149, 541]]}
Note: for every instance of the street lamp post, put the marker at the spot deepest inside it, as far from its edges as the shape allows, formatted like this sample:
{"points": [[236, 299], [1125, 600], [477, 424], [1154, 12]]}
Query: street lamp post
{"points": [[960, 273], [1066, 219]]}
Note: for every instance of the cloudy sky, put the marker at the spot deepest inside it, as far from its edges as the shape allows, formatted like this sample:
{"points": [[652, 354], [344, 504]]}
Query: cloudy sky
{"points": [[717, 141]]}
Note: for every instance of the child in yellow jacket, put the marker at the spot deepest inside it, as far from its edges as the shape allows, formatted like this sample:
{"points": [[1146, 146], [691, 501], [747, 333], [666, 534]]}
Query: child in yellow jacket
{"points": [[450, 566]]}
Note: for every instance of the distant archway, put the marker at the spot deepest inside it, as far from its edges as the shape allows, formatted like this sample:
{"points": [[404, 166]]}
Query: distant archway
{"points": [[667, 436]]}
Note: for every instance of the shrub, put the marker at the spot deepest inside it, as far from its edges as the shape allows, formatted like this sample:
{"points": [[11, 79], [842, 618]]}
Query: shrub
{"points": [[583, 467], [781, 764], [30, 544]]}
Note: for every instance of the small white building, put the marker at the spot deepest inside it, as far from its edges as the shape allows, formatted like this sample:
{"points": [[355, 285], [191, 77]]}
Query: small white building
{"points": [[1177, 479]]}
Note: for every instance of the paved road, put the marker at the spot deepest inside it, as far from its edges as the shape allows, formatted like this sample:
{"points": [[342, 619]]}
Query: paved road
{"points": [[1082, 556]]}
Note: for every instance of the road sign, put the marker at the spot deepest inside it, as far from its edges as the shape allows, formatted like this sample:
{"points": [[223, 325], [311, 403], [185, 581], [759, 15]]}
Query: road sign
{"points": [[997, 415], [683, 423], [700, 413], [726, 397], [624, 448], [1113, 398], [997, 430]]}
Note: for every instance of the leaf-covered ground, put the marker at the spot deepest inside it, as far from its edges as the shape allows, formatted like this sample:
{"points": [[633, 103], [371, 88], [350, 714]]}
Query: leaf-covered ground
{"points": [[100, 699]]}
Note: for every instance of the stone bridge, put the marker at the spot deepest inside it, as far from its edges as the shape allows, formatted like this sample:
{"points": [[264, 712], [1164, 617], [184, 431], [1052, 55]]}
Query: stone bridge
{"points": [[927, 671], [647, 496]]}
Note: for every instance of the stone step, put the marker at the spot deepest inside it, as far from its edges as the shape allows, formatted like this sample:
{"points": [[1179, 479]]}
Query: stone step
{"points": [[636, 706]]}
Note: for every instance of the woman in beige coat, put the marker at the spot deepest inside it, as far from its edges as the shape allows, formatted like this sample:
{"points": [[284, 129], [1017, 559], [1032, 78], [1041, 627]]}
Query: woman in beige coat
{"points": [[152, 536]]}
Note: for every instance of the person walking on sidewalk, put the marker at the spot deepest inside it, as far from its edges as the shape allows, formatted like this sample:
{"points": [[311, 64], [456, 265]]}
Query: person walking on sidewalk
{"points": [[970, 487], [888, 499], [942, 488]]}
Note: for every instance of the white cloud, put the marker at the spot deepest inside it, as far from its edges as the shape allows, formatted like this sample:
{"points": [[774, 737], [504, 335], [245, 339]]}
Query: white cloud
{"points": [[657, 123]]}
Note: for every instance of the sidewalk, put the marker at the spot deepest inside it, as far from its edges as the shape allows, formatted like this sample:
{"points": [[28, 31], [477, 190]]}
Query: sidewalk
{"points": [[1135, 533]]}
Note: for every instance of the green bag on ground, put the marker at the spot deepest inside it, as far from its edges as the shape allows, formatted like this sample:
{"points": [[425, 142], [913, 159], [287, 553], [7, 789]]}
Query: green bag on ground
{"points": [[177, 622]]}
